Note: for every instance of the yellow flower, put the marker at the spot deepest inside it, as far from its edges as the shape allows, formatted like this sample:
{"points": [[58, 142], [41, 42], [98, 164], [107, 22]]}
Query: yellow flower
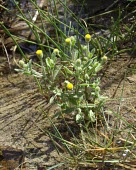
{"points": [[56, 51], [39, 53], [69, 86], [68, 40], [87, 37]]}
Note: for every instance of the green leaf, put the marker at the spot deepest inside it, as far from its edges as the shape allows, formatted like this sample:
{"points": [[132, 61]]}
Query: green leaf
{"points": [[55, 166], [93, 51], [57, 70], [98, 67], [90, 55], [50, 63], [85, 84], [131, 0], [68, 71], [19, 70], [91, 116], [72, 100], [68, 110], [79, 118], [87, 64], [52, 99]]}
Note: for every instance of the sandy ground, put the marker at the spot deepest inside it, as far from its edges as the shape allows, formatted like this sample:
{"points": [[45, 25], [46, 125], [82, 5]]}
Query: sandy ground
{"points": [[23, 125]]}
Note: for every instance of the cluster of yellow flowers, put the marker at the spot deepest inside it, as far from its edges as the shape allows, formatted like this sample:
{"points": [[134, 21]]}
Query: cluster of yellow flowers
{"points": [[39, 53]]}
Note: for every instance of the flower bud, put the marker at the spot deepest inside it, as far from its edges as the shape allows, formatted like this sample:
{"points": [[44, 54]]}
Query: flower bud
{"points": [[73, 40], [85, 58], [96, 63], [84, 47], [21, 63], [78, 62], [56, 51], [68, 41], [104, 58], [97, 88], [87, 77], [26, 66], [79, 69]]}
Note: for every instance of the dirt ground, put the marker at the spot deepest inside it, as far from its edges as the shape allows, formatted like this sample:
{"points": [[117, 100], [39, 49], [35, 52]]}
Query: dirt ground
{"points": [[119, 85], [23, 125]]}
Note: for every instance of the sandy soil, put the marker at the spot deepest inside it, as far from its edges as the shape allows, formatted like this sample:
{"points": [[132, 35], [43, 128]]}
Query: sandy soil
{"points": [[23, 125]]}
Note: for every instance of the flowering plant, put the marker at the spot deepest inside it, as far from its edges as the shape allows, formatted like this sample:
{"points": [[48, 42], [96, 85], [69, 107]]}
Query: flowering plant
{"points": [[71, 82]]}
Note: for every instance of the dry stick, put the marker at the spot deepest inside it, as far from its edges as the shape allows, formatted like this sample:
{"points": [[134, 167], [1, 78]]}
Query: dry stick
{"points": [[7, 56], [129, 167], [37, 13], [105, 149], [5, 52], [25, 26], [126, 141], [21, 165]]}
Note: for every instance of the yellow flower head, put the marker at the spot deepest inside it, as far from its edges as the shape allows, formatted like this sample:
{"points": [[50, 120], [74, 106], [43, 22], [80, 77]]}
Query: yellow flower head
{"points": [[68, 40], [39, 53], [56, 51], [87, 37], [69, 86]]}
